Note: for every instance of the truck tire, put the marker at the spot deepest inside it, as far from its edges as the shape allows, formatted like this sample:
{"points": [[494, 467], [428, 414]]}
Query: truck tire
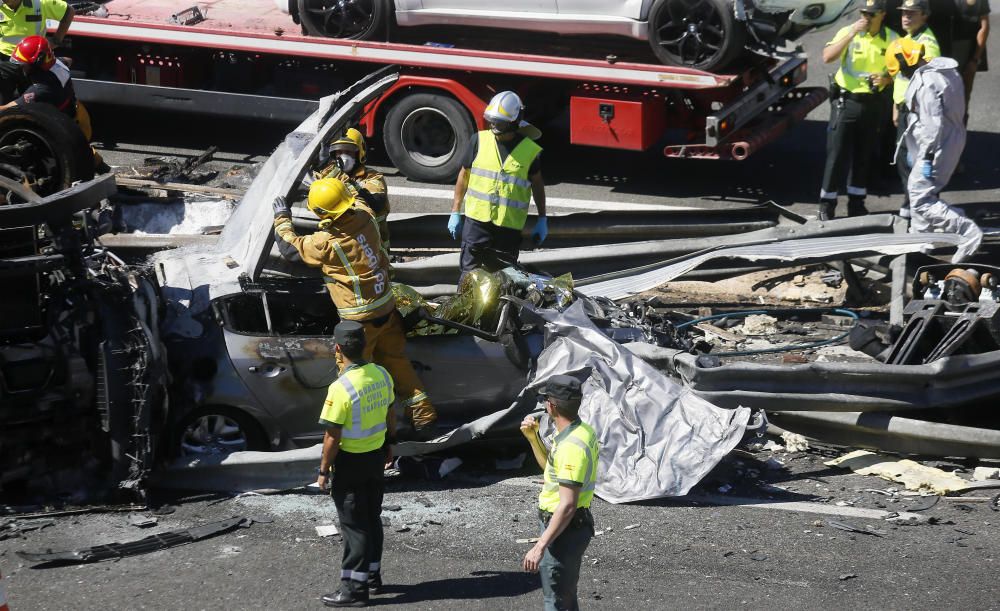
{"points": [[43, 148], [700, 34], [426, 135], [344, 19]]}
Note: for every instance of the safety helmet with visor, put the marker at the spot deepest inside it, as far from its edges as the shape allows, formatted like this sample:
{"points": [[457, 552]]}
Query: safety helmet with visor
{"points": [[504, 113], [329, 198], [33, 51], [350, 150]]}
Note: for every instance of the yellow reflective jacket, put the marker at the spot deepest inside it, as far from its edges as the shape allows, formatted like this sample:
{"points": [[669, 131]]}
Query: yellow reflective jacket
{"points": [[864, 55], [500, 193], [349, 252], [28, 20], [572, 461], [359, 400]]}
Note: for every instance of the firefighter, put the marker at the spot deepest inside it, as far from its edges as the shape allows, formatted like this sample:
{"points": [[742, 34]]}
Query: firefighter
{"points": [[22, 18], [935, 138], [348, 250], [358, 419], [914, 19], [855, 107], [570, 467], [50, 83], [348, 165], [500, 175]]}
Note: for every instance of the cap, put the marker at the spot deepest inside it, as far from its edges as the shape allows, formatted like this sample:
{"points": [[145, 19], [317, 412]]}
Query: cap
{"points": [[873, 6], [561, 387], [347, 331], [915, 5]]}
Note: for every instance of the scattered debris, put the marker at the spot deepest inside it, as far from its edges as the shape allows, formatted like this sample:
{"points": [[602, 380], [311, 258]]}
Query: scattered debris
{"points": [[794, 442], [631, 526], [758, 325], [528, 540], [846, 576], [12, 529], [854, 529], [773, 447], [391, 507], [327, 530], [141, 521], [930, 501], [151, 543], [773, 464], [911, 474], [985, 473]]}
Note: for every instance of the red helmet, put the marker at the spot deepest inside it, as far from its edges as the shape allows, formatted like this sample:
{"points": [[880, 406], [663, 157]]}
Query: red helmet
{"points": [[34, 51]]}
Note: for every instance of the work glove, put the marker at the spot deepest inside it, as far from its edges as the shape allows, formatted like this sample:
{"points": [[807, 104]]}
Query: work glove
{"points": [[280, 207], [455, 224], [928, 169], [541, 231]]}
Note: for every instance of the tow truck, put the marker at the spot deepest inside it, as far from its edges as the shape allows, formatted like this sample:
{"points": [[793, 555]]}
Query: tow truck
{"points": [[248, 59]]}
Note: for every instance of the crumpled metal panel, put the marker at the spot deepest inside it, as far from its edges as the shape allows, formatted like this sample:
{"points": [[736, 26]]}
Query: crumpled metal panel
{"points": [[827, 248]]}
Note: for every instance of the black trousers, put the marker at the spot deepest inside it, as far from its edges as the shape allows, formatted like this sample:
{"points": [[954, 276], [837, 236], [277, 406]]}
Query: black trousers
{"points": [[852, 140], [12, 80], [357, 491], [488, 246]]}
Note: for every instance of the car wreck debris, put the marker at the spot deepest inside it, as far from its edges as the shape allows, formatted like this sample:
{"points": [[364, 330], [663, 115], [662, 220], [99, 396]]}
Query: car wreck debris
{"points": [[148, 544], [910, 473]]}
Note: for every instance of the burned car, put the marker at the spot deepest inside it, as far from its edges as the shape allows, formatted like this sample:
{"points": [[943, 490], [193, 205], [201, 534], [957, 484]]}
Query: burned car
{"points": [[249, 335]]}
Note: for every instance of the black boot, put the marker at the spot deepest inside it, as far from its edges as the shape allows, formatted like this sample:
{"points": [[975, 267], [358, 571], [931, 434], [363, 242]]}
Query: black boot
{"points": [[827, 209], [374, 582], [346, 598], [856, 206]]}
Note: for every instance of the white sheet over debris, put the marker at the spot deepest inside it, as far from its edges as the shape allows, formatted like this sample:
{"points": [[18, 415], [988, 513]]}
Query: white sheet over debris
{"points": [[845, 247]]}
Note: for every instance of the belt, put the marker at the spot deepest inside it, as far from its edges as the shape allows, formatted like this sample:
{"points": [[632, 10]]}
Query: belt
{"points": [[582, 518], [843, 94]]}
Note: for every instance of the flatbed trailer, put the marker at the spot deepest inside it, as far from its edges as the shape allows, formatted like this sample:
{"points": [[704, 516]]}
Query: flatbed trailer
{"points": [[248, 59]]}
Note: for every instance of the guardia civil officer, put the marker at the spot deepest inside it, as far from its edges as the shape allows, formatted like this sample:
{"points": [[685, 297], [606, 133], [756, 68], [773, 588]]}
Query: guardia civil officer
{"points": [[570, 467], [357, 417], [855, 107]]}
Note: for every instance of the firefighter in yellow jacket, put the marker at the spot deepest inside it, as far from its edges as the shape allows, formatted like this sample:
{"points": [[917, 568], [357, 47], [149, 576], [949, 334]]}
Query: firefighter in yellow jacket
{"points": [[348, 250], [349, 156]]}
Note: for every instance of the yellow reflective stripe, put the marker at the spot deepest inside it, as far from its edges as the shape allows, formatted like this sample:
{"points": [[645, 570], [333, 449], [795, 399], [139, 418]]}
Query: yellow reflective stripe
{"points": [[350, 272], [378, 303], [507, 178], [355, 431], [417, 398], [498, 200], [589, 478]]}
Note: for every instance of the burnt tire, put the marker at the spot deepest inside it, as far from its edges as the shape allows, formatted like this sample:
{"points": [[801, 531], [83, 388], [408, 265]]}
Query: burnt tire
{"points": [[344, 19], [42, 147], [216, 430], [425, 136], [700, 34]]}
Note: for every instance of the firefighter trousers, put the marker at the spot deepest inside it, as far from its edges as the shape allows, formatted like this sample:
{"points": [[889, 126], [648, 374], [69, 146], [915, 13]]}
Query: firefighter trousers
{"points": [[357, 491], [385, 345]]}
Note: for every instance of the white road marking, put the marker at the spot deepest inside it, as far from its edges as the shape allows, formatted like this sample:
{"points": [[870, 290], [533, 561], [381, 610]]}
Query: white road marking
{"points": [[805, 507], [550, 202]]}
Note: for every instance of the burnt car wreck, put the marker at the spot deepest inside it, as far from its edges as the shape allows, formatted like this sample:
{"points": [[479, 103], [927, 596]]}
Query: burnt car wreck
{"points": [[211, 350]]}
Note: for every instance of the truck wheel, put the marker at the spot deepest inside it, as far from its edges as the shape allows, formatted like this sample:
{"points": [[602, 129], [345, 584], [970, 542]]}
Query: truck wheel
{"points": [[218, 430], [43, 149], [348, 19], [701, 34], [426, 135]]}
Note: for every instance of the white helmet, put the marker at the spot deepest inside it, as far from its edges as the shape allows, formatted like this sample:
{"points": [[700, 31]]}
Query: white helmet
{"points": [[504, 112]]}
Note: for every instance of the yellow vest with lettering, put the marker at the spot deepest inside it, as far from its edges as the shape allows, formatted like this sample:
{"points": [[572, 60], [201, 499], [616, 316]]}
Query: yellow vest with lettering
{"points": [[572, 461], [27, 20], [361, 397], [864, 55]]}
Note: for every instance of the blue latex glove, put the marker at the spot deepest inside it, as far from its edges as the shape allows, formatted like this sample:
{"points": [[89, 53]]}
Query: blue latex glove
{"points": [[280, 207], [928, 169], [541, 230], [455, 224]]}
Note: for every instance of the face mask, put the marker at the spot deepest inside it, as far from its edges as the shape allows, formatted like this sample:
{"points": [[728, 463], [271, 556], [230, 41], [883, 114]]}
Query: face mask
{"points": [[346, 162]]}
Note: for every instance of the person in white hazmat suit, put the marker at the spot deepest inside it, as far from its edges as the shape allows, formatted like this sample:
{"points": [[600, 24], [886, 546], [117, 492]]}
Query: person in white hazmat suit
{"points": [[935, 137]]}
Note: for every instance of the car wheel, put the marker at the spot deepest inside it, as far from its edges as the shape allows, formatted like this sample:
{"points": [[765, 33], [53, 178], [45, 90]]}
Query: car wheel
{"points": [[426, 135], [218, 430], [43, 149], [348, 19], [701, 34]]}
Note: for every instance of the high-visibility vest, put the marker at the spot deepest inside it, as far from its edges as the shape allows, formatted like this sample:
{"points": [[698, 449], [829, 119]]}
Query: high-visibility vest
{"points": [[931, 50], [573, 461], [359, 400], [865, 55], [27, 20], [500, 193]]}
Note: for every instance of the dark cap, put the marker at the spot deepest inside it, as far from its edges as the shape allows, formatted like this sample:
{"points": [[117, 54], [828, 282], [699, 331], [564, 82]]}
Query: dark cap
{"points": [[916, 5], [562, 387], [872, 6], [349, 331]]}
